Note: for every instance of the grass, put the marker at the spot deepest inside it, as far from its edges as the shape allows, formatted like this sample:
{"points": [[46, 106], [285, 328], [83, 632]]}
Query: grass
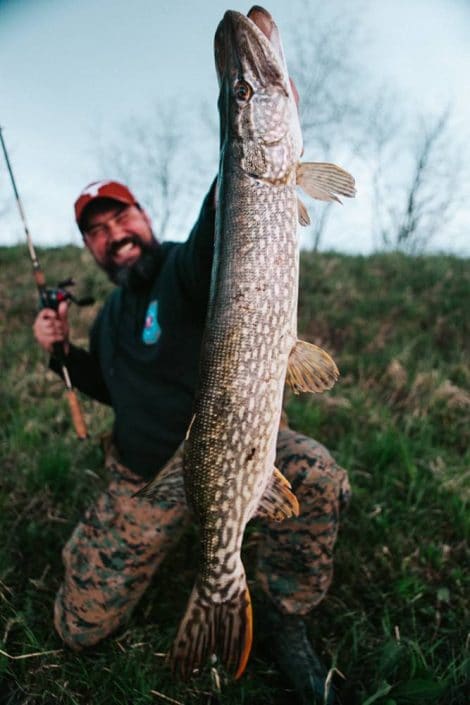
{"points": [[394, 622]]}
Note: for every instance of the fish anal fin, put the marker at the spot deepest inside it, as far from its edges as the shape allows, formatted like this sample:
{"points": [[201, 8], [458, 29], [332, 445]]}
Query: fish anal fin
{"points": [[324, 181], [310, 369], [304, 218], [168, 484], [208, 627], [278, 501]]}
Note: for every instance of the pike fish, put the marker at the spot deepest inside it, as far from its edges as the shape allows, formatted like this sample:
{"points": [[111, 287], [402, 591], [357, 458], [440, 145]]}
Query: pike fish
{"points": [[250, 344]]}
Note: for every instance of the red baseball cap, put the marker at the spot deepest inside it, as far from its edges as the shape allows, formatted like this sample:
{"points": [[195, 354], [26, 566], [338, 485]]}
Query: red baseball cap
{"points": [[102, 189]]}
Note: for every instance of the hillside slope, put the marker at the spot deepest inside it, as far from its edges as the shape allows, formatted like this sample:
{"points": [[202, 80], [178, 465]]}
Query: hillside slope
{"points": [[398, 419]]}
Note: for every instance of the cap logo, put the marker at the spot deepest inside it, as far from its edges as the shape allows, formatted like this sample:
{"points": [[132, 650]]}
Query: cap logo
{"points": [[92, 190]]}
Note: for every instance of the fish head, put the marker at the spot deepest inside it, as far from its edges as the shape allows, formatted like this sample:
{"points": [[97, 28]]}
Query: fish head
{"points": [[259, 120]]}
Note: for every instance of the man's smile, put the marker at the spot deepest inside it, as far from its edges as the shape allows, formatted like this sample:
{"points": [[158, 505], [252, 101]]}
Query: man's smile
{"points": [[125, 250]]}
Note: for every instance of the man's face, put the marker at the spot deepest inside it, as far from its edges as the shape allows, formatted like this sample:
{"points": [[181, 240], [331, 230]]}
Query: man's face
{"points": [[117, 235], [115, 232]]}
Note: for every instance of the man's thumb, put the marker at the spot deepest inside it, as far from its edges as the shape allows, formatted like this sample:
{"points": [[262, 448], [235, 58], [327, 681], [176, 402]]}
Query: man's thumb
{"points": [[63, 311]]}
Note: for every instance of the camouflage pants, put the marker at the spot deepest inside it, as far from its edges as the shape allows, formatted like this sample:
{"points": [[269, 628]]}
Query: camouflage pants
{"points": [[114, 552]]}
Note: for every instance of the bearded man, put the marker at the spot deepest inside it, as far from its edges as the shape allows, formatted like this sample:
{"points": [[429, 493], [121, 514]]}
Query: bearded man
{"points": [[143, 360]]}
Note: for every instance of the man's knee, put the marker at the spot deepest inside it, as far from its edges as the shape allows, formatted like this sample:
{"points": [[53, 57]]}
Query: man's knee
{"points": [[79, 628], [311, 469]]}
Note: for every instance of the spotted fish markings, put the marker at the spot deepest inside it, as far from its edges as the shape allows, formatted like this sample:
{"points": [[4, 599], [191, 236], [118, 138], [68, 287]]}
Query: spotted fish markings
{"points": [[250, 345]]}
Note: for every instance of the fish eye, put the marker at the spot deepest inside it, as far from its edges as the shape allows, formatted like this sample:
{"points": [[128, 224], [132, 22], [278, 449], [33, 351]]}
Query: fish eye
{"points": [[243, 91]]}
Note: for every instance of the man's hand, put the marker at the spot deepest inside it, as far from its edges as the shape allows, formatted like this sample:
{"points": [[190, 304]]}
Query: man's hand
{"points": [[52, 327]]}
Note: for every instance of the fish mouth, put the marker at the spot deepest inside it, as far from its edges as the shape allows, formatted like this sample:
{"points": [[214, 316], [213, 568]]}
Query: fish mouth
{"points": [[250, 45]]}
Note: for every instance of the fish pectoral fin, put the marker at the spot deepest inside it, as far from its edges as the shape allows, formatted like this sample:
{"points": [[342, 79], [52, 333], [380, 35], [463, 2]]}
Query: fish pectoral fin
{"points": [[304, 218], [168, 484], [324, 181], [310, 369], [223, 628], [278, 501]]}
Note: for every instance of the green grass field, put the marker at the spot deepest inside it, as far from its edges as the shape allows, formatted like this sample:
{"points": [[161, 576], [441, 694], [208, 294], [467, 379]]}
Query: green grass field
{"points": [[395, 623]]}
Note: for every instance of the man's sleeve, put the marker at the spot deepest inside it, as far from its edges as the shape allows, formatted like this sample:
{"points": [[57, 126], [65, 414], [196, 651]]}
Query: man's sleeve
{"points": [[84, 370], [195, 256]]}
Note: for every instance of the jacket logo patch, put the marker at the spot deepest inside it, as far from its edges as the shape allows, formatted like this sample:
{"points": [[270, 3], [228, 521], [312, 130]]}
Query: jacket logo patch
{"points": [[151, 330]]}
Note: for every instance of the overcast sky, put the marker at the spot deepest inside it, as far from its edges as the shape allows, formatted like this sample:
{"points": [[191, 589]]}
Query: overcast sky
{"points": [[68, 67]]}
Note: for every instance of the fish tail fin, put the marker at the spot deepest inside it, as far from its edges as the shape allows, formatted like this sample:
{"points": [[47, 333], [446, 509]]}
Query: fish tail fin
{"points": [[224, 628], [236, 631]]}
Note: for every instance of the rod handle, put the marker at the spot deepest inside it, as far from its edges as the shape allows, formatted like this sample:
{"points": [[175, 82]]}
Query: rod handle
{"points": [[77, 416]]}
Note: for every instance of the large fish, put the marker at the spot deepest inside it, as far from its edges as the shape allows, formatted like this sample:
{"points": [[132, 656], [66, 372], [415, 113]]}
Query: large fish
{"points": [[250, 342]]}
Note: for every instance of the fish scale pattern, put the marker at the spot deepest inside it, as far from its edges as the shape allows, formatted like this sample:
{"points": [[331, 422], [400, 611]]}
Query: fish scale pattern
{"points": [[250, 331]]}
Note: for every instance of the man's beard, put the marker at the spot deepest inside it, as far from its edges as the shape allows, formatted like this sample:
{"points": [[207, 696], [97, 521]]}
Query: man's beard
{"points": [[141, 273]]}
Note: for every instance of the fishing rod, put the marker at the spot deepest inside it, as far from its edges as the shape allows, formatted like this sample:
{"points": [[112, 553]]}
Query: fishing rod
{"points": [[51, 298]]}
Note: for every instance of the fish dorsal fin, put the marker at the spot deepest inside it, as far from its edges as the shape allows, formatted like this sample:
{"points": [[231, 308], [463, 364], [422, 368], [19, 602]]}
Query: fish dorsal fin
{"points": [[278, 502], [304, 218], [168, 484], [310, 369], [323, 181]]}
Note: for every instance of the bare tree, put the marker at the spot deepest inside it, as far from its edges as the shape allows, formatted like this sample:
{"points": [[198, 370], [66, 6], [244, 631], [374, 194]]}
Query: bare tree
{"points": [[318, 224], [380, 153], [415, 185], [416, 175], [323, 51], [154, 155], [422, 194]]}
